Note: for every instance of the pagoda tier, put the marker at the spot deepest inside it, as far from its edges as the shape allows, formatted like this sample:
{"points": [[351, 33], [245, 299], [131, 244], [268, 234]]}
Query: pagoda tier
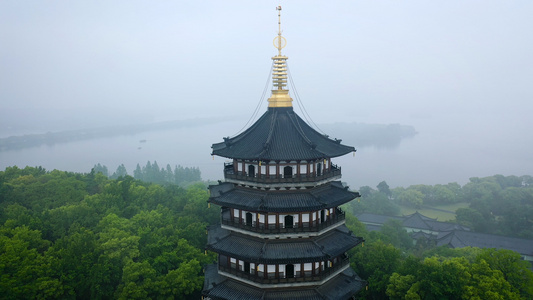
{"points": [[325, 196], [278, 251], [342, 286], [280, 135]]}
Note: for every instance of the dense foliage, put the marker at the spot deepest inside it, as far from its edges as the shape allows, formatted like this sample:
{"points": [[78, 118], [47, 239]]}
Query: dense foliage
{"points": [[66, 235], [496, 204]]}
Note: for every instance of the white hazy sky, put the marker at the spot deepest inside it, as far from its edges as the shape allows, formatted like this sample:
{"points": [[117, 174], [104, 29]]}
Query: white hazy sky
{"points": [[451, 63]]}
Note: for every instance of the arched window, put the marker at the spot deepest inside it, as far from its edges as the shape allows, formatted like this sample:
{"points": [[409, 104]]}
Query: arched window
{"points": [[287, 172], [289, 221]]}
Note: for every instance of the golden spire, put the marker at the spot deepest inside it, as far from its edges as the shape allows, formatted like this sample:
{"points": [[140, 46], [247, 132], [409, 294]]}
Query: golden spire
{"points": [[280, 94]]}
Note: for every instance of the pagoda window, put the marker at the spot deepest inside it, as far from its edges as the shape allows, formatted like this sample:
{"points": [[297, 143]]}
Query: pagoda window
{"points": [[251, 170], [252, 268], [289, 221], [318, 169], [272, 171], [233, 263], [308, 269], [260, 270], [223, 260], [303, 169], [322, 216], [272, 221], [287, 172], [236, 215], [298, 270], [289, 271], [271, 271], [305, 220], [246, 267], [249, 219]]}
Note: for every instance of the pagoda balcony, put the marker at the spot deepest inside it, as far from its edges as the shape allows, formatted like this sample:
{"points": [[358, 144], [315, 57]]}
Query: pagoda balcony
{"points": [[241, 177], [270, 278], [275, 229]]}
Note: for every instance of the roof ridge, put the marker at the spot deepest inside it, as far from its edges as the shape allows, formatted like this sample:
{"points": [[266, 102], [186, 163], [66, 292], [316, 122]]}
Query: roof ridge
{"points": [[270, 133], [298, 127]]}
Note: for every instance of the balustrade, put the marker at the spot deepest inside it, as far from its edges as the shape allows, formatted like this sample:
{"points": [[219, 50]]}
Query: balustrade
{"points": [[339, 216], [271, 279]]}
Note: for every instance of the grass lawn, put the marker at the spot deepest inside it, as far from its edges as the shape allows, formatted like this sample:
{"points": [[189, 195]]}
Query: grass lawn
{"points": [[435, 211]]}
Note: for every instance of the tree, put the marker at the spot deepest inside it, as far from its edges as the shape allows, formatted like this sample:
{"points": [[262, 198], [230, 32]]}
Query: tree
{"points": [[375, 263], [514, 270], [120, 172], [98, 168], [383, 187], [411, 197]]}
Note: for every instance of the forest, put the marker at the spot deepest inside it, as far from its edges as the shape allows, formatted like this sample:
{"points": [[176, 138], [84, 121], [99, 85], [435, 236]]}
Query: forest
{"points": [[67, 235]]}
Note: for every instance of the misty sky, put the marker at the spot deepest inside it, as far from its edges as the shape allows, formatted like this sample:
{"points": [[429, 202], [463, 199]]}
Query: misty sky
{"points": [[441, 66]]}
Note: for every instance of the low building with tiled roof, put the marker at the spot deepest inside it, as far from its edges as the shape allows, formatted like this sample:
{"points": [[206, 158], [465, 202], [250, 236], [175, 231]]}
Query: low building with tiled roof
{"points": [[449, 234]]}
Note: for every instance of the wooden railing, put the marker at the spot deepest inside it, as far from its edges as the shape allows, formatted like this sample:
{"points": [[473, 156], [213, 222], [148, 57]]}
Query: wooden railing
{"points": [[229, 173], [339, 216], [259, 277]]}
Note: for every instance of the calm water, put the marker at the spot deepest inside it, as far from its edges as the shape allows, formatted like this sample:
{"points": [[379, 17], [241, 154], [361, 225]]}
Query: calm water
{"points": [[435, 155]]}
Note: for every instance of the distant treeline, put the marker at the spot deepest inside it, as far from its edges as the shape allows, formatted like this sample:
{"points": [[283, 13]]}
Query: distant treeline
{"points": [[497, 204], [52, 138], [152, 173]]}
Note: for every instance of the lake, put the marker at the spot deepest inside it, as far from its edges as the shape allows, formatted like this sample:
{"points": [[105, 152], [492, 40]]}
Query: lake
{"points": [[435, 155]]}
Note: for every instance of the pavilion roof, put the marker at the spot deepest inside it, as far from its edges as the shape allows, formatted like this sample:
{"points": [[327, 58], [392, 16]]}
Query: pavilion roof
{"points": [[325, 196], [274, 251], [342, 286], [280, 135]]}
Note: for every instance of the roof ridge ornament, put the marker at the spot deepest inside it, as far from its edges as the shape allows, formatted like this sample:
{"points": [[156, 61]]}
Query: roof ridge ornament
{"points": [[280, 94]]}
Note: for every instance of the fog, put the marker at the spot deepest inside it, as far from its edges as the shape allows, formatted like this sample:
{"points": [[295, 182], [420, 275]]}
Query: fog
{"points": [[460, 72]]}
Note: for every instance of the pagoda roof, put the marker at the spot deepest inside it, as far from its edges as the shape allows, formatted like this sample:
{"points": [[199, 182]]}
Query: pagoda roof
{"points": [[275, 251], [342, 286], [325, 196], [459, 239], [280, 135]]}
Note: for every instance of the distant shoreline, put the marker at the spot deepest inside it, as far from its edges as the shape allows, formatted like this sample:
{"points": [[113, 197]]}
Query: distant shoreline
{"points": [[356, 134]]}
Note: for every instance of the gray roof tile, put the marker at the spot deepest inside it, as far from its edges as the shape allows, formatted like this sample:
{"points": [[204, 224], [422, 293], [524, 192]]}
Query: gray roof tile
{"points": [[280, 135], [325, 196], [328, 245]]}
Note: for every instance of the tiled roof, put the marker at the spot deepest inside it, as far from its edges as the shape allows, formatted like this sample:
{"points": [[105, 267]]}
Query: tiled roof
{"points": [[325, 246], [325, 196], [415, 221], [374, 218], [341, 287], [459, 239], [280, 135]]}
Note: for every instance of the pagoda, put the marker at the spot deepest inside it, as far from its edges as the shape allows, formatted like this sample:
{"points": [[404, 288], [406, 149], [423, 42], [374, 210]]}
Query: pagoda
{"points": [[282, 233]]}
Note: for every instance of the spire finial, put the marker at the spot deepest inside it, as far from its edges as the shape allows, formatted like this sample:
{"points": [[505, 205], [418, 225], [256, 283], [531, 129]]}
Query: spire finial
{"points": [[279, 42], [280, 94]]}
